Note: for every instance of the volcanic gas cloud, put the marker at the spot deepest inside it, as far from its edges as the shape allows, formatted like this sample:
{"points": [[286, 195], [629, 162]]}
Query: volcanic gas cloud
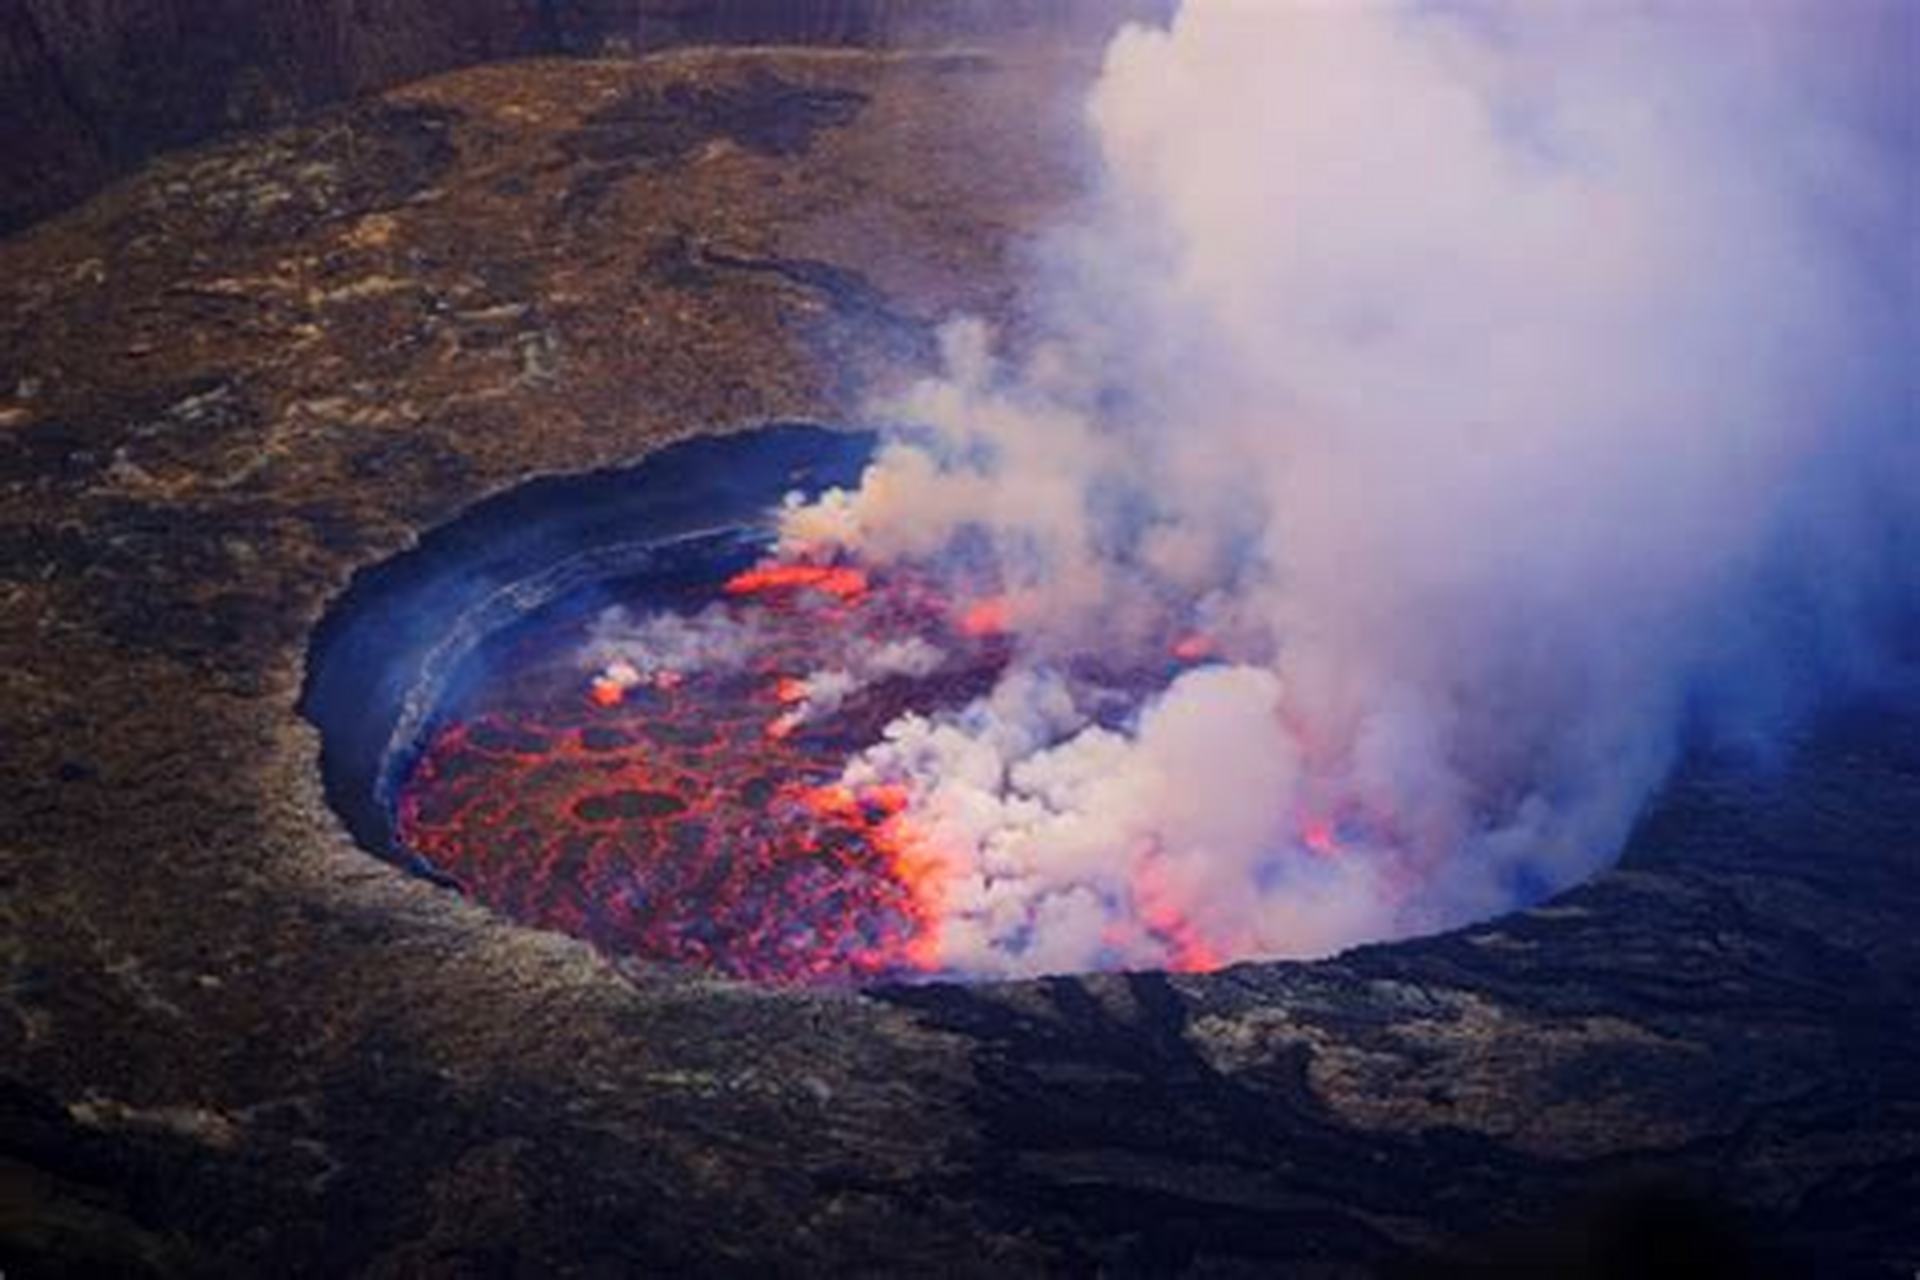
{"points": [[1444, 415]]}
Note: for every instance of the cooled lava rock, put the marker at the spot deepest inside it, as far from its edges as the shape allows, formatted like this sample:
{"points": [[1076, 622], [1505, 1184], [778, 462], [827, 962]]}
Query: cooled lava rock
{"points": [[234, 1042]]}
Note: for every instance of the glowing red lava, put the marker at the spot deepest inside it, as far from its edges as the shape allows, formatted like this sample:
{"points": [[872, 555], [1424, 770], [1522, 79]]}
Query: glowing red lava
{"points": [[696, 817]]}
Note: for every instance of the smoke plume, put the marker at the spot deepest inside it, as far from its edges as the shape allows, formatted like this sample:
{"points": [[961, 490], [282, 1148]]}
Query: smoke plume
{"points": [[1443, 416]]}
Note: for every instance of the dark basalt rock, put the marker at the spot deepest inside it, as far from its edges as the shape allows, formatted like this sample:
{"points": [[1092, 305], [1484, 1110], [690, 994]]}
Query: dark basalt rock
{"points": [[87, 92], [761, 112], [344, 164], [232, 1043], [1650, 1042]]}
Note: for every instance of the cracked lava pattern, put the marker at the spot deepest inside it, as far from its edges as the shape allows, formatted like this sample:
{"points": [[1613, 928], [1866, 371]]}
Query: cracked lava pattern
{"points": [[683, 819]]}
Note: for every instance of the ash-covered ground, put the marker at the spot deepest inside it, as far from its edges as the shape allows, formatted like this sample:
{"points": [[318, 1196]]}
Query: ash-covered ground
{"points": [[231, 1042]]}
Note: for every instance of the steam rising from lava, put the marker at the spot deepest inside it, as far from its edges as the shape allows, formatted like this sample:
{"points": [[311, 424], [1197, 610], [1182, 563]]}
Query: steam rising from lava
{"points": [[1441, 417], [1479, 402]]}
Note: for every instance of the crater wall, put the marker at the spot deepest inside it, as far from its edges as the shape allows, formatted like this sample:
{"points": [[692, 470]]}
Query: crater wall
{"points": [[89, 88]]}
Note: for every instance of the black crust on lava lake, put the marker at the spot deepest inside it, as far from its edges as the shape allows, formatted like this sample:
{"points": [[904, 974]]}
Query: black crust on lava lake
{"points": [[365, 666]]}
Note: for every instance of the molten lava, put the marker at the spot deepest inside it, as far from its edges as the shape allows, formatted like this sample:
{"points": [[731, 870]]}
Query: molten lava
{"points": [[987, 617], [696, 817], [839, 581]]}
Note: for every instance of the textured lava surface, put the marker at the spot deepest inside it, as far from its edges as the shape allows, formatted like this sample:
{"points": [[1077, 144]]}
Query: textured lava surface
{"points": [[232, 1045], [693, 818]]}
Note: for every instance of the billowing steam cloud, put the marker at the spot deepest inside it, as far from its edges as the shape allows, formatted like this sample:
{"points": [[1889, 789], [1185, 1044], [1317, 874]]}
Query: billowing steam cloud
{"points": [[1446, 413], [1492, 394]]}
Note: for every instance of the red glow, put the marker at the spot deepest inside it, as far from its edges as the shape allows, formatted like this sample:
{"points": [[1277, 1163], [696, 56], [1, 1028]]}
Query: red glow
{"points": [[833, 801], [840, 581], [989, 617], [1317, 834], [690, 818], [1187, 951], [1194, 648], [917, 864], [890, 797]]}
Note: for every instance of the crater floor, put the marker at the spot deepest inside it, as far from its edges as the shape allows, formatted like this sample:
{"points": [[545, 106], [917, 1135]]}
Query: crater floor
{"points": [[232, 1042]]}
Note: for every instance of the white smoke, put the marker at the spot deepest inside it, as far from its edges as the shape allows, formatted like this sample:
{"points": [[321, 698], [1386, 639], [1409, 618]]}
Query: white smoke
{"points": [[624, 650], [864, 663], [1506, 390], [665, 643]]}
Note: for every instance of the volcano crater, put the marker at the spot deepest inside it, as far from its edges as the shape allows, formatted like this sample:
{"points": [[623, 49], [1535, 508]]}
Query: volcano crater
{"points": [[596, 705], [215, 1016]]}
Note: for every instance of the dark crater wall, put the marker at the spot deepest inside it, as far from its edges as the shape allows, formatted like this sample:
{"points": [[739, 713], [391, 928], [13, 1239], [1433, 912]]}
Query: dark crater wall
{"points": [[385, 650], [231, 1045], [88, 90]]}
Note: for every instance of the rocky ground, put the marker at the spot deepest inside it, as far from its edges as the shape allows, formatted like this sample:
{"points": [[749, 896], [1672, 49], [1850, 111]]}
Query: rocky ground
{"points": [[87, 91], [233, 1043]]}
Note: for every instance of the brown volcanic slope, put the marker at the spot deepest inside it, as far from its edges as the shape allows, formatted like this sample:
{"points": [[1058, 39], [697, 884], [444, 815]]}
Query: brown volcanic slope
{"points": [[232, 1042], [88, 90]]}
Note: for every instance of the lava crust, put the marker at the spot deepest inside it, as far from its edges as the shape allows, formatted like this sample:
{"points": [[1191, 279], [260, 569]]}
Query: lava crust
{"points": [[234, 1043], [696, 817]]}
